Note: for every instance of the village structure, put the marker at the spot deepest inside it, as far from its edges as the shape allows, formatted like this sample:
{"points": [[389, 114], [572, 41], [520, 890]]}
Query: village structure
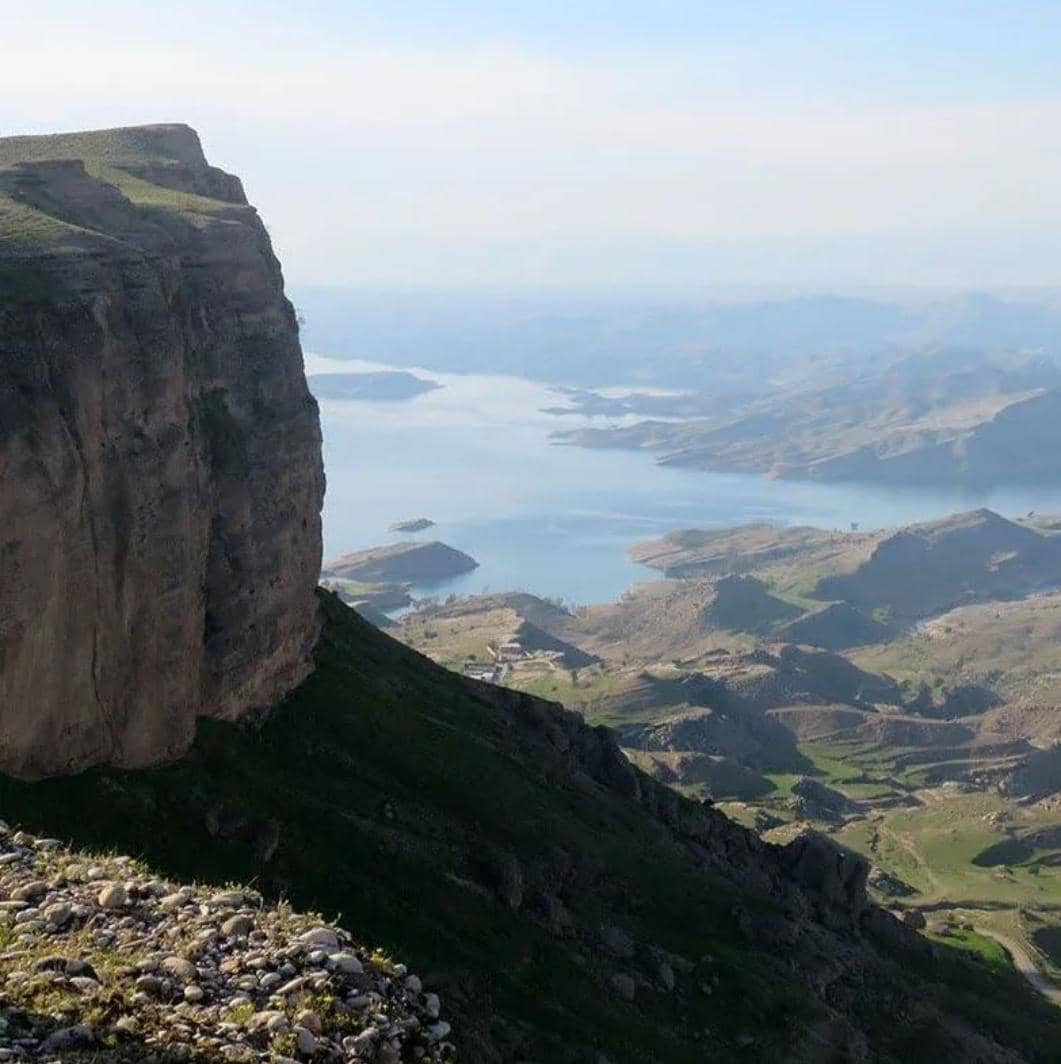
{"points": [[507, 657]]}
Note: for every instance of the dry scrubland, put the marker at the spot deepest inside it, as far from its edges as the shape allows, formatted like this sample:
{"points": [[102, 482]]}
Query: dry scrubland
{"points": [[913, 678]]}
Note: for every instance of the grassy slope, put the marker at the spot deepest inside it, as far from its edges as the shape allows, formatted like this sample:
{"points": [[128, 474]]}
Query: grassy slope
{"points": [[125, 144], [105, 154], [987, 949], [1013, 647], [967, 855], [385, 774], [379, 770]]}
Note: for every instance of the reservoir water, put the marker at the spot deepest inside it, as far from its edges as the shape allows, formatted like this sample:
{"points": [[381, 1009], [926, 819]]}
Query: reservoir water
{"points": [[476, 457]]}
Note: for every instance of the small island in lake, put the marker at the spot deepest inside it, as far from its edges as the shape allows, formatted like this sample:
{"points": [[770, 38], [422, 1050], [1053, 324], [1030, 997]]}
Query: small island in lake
{"points": [[387, 385], [416, 524], [400, 563]]}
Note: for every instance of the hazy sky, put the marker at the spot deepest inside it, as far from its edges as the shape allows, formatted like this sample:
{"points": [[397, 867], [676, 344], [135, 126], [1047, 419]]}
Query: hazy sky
{"points": [[571, 142]]}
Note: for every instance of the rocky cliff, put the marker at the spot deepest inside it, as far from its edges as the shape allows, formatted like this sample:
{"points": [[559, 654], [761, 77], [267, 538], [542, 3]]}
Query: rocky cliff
{"points": [[159, 453]]}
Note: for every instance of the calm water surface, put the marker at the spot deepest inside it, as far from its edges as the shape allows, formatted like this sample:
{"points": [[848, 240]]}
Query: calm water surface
{"points": [[475, 457]]}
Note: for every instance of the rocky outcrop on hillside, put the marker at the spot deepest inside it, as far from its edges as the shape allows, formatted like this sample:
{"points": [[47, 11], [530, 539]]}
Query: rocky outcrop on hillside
{"points": [[929, 568], [743, 604], [837, 626], [160, 453], [813, 800], [103, 958]]}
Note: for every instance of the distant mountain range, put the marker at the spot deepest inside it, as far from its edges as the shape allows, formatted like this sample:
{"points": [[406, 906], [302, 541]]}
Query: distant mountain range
{"points": [[716, 344], [952, 418]]}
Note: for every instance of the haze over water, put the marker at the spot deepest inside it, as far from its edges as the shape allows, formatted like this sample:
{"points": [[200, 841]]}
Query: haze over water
{"points": [[475, 456]]}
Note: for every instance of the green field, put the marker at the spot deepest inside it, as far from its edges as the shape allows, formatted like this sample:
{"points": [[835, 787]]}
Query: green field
{"points": [[985, 949]]}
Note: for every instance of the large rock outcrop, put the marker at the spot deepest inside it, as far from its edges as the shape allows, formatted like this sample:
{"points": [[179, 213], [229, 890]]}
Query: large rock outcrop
{"points": [[159, 453]]}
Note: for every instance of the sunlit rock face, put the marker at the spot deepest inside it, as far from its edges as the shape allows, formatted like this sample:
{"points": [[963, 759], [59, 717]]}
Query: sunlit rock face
{"points": [[160, 456]]}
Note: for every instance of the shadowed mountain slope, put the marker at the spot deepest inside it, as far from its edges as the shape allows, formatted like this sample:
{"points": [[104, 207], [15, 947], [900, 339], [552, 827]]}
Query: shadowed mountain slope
{"points": [[564, 903]]}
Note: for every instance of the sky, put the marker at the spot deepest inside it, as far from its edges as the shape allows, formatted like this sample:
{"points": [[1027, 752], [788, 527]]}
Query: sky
{"points": [[586, 143]]}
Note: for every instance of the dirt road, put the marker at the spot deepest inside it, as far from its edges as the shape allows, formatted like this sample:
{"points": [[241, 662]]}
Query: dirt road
{"points": [[1024, 964]]}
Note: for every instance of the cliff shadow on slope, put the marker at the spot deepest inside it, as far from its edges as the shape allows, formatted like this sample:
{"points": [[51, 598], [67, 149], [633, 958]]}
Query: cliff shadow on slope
{"points": [[566, 905]]}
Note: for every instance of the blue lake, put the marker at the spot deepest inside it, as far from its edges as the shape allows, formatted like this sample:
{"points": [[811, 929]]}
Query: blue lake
{"points": [[475, 457]]}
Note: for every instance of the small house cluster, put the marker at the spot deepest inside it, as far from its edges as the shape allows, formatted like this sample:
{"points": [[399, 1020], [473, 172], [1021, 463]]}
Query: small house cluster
{"points": [[507, 656]]}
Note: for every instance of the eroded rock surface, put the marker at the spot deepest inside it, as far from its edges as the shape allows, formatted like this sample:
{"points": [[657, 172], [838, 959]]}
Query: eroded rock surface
{"points": [[159, 453]]}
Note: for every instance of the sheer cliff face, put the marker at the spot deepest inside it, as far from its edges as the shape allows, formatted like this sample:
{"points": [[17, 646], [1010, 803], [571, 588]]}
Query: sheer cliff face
{"points": [[160, 454]]}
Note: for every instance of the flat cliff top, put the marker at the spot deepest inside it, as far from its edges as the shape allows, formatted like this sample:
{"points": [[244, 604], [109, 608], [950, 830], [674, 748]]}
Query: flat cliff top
{"points": [[70, 192], [174, 143]]}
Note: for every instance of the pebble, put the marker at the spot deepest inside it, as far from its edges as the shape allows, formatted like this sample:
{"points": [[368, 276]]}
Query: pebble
{"points": [[174, 901], [291, 987], [200, 981], [437, 1031], [229, 900], [237, 927], [29, 891], [112, 896], [320, 936], [624, 986], [57, 914], [310, 1020], [307, 1041], [179, 968], [363, 1044], [67, 1038]]}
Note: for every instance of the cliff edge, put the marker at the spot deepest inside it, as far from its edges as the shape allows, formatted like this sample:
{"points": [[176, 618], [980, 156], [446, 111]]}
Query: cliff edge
{"points": [[159, 453]]}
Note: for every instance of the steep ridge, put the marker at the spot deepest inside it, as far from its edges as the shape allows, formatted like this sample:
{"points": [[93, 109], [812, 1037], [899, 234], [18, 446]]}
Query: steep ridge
{"points": [[561, 903], [929, 568], [159, 450]]}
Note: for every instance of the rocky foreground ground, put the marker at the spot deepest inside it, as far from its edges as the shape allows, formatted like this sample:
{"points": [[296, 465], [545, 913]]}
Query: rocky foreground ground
{"points": [[102, 961]]}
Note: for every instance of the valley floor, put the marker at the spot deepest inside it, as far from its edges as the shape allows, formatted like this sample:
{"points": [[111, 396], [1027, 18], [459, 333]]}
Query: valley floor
{"points": [[897, 691]]}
